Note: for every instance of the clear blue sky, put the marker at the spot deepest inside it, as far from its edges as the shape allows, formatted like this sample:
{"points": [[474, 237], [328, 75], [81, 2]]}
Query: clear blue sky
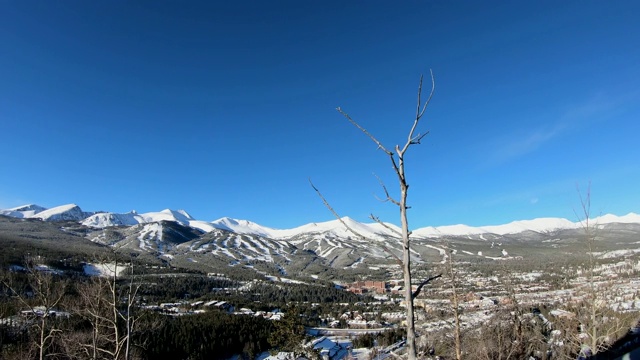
{"points": [[226, 108]]}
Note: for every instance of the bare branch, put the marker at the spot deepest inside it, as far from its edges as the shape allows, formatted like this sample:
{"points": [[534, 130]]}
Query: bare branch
{"points": [[411, 140], [422, 284], [380, 146], [360, 236], [386, 249], [386, 192], [377, 219], [416, 140], [433, 88], [326, 203]]}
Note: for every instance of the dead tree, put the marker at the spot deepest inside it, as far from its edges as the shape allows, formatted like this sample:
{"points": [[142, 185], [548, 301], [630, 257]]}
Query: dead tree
{"points": [[455, 306], [397, 158], [109, 307], [42, 295], [598, 324]]}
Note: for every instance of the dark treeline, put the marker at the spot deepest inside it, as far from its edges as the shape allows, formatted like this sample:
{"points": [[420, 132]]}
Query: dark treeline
{"points": [[70, 331], [385, 338], [166, 288], [212, 335]]}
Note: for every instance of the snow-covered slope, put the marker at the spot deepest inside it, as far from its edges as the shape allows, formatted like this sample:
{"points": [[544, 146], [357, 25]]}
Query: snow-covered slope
{"points": [[24, 211], [333, 227], [537, 225], [630, 218], [242, 227], [102, 220], [64, 212], [328, 229]]}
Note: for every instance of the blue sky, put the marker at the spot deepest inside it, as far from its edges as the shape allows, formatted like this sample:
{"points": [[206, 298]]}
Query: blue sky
{"points": [[227, 108]]}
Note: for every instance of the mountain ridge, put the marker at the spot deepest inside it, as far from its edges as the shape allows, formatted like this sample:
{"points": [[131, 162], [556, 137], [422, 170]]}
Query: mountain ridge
{"points": [[377, 231]]}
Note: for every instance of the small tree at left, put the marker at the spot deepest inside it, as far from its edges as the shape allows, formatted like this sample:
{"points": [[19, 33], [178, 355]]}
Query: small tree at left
{"points": [[39, 292]]}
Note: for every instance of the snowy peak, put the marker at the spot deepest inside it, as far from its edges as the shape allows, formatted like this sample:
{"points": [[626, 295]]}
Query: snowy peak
{"points": [[630, 218], [70, 212], [331, 229], [451, 230], [243, 227], [30, 207], [102, 220], [179, 216], [24, 211], [335, 228], [537, 225]]}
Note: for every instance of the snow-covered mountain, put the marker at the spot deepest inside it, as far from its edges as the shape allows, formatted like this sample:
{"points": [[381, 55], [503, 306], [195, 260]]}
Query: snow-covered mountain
{"points": [[336, 228], [102, 220], [69, 212], [107, 219], [24, 211], [329, 229], [321, 247]]}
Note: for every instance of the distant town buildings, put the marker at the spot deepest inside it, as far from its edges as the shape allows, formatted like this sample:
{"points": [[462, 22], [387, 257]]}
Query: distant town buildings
{"points": [[364, 287]]}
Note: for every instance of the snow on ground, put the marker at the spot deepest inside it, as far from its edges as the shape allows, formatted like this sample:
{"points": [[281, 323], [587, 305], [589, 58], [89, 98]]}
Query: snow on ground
{"points": [[104, 270], [47, 268], [63, 212], [356, 263], [279, 356], [361, 354], [616, 253], [284, 280], [531, 276]]}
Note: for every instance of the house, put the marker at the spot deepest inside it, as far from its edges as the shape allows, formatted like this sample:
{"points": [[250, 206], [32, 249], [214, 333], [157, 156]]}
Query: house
{"points": [[329, 349], [41, 311]]}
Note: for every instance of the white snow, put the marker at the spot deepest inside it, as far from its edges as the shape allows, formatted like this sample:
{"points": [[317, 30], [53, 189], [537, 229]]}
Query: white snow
{"points": [[334, 227], [103, 270], [630, 218], [102, 220], [63, 212], [324, 230], [106, 219], [538, 225], [456, 230], [24, 211]]}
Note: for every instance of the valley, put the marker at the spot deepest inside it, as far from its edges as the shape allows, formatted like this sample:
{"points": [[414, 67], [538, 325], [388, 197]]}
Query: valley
{"points": [[530, 279]]}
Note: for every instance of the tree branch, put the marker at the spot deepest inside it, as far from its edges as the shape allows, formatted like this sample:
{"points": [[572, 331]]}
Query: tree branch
{"points": [[411, 140], [386, 193], [433, 88], [326, 203], [422, 284], [380, 146], [377, 219], [360, 236]]}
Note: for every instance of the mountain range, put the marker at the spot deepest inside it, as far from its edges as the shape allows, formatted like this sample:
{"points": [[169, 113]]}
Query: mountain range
{"points": [[327, 247], [374, 230]]}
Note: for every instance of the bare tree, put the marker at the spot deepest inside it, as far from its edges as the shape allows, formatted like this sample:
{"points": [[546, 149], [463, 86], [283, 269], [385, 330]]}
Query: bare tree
{"points": [[40, 297], [455, 305], [397, 158], [109, 307], [595, 324]]}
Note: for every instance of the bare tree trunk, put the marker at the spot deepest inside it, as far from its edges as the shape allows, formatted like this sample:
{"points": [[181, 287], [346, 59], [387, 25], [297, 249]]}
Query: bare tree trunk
{"points": [[43, 324], [406, 265], [456, 313]]}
